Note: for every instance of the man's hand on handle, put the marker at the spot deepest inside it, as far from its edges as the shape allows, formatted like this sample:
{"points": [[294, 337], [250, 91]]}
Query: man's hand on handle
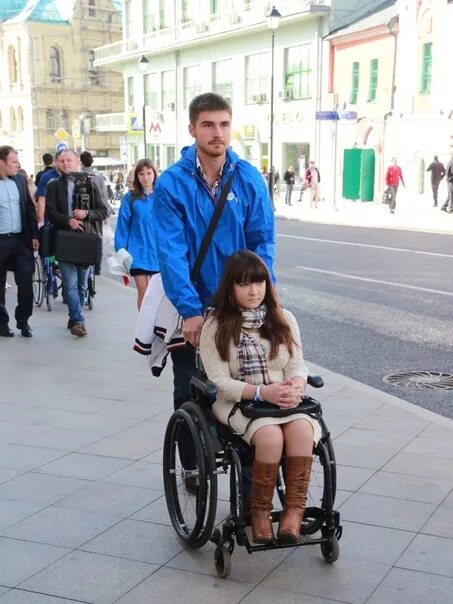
{"points": [[75, 225], [191, 329]]}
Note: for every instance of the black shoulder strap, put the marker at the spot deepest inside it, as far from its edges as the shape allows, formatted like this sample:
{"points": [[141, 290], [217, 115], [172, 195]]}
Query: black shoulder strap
{"points": [[195, 272]]}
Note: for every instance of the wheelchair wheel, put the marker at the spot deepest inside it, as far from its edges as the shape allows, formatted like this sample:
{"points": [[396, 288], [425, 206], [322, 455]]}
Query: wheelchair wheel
{"points": [[187, 511], [330, 550], [38, 282], [49, 300]]}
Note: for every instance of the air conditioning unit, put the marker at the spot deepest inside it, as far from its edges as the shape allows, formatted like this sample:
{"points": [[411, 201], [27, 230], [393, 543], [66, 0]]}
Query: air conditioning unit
{"points": [[288, 95], [234, 19], [171, 106], [256, 98], [201, 27], [263, 98]]}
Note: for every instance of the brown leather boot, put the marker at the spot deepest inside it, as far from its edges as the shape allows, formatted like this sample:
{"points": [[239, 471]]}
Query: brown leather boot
{"points": [[264, 477], [297, 477]]}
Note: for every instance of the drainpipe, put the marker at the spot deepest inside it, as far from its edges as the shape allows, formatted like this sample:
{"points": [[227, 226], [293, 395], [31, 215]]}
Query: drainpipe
{"points": [[319, 54]]}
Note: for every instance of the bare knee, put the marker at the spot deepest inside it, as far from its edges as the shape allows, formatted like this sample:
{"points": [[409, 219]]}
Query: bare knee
{"points": [[268, 443], [298, 436]]}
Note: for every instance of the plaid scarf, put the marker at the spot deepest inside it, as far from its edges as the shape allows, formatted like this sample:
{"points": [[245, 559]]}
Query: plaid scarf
{"points": [[251, 353]]}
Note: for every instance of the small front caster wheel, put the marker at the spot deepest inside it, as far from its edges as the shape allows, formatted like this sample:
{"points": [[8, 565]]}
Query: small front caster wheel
{"points": [[330, 550], [222, 560]]}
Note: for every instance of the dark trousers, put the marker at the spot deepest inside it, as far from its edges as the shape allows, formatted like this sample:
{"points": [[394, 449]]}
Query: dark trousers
{"points": [[393, 192], [183, 369], [449, 201], [15, 254], [435, 188]]}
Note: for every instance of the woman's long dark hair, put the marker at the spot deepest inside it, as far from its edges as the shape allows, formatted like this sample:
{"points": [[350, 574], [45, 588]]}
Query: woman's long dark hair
{"points": [[137, 189], [246, 267]]}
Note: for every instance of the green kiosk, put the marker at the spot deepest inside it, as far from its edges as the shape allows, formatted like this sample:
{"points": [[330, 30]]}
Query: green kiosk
{"points": [[358, 174]]}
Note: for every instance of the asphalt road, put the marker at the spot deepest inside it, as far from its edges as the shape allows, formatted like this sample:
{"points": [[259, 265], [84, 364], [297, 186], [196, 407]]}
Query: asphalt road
{"points": [[371, 302]]}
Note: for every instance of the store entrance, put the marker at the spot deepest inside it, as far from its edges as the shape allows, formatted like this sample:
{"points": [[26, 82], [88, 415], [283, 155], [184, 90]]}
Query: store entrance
{"points": [[297, 155]]}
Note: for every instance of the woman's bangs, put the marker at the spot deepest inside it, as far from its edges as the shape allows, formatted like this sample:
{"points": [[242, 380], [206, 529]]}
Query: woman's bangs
{"points": [[250, 272]]}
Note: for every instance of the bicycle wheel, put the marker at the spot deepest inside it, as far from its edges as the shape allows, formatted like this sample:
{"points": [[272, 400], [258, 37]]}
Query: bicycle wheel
{"points": [[38, 282]]}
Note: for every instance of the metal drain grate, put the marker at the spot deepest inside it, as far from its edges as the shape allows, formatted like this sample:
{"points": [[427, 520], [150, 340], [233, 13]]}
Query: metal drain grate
{"points": [[420, 379]]}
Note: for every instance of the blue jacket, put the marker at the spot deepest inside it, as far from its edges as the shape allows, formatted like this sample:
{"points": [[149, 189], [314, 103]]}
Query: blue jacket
{"points": [[183, 207], [45, 178], [135, 232]]}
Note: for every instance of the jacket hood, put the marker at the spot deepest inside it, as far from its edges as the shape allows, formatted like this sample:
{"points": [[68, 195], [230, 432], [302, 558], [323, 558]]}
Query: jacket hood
{"points": [[189, 153]]}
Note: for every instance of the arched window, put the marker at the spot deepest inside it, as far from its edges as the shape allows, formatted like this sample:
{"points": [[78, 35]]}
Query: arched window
{"points": [[20, 119], [50, 120], [12, 64], [55, 64], [12, 120]]}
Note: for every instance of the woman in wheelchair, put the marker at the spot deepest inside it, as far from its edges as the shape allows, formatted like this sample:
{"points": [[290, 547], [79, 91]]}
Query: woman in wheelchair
{"points": [[250, 348]]}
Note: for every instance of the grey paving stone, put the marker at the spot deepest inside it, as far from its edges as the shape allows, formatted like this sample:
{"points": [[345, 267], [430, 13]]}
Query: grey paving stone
{"points": [[20, 457], [64, 440], [403, 586], [449, 499], [266, 595], [7, 474], [71, 420], [154, 512], [12, 511], [89, 577], [350, 478], [134, 409], [386, 511], [430, 555], [432, 447], [396, 425], [39, 487], [18, 596], [249, 568], [22, 559], [438, 431], [373, 543], [367, 449], [348, 580], [420, 465], [168, 585], [393, 411], [413, 488], [109, 499], [80, 465], [139, 474], [440, 523], [125, 446], [58, 526], [11, 432], [136, 540], [154, 457]]}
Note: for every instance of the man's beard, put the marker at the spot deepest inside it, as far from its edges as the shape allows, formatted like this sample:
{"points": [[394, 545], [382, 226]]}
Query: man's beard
{"points": [[210, 149]]}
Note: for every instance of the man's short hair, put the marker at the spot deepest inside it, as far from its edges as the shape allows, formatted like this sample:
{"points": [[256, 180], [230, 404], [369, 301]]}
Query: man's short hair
{"points": [[86, 158], [5, 150], [61, 151], [47, 159], [208, 101]]}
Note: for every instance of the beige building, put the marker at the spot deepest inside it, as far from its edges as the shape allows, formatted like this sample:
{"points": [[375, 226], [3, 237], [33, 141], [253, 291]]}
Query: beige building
{"points": [[49, 82]]}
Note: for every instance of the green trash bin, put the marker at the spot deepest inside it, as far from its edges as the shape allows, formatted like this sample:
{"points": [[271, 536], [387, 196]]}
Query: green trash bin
{"points": [[358, 174]]}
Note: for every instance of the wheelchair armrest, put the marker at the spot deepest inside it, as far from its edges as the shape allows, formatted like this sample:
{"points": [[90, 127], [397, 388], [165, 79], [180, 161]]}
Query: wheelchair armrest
{"points": [[315, 381], [203, 390]]}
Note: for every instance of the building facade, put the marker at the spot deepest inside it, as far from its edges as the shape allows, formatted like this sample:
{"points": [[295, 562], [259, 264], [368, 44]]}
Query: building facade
{"points": [[50, 89], [223, 46]]}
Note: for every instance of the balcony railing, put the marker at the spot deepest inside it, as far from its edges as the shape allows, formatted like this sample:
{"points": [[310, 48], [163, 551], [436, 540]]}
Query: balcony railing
{"points": [[252, 13], [111, 122]]}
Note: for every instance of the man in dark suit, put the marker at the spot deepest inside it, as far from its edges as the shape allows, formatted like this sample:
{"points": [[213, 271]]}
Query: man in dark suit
{"points": [[18, 240], [63, 214]]}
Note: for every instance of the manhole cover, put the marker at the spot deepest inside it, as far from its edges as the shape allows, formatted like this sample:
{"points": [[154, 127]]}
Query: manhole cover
{"points": [[420, 379]]}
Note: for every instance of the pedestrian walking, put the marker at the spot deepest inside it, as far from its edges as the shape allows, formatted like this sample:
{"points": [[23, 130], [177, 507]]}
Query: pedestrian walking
{"points": [[184, 201], [289, 179], [47, 160], [393, 177], [18, 241], [86, 161], [437, 170], [313, 178], [62, 201], [448, 205], [135, 227]]}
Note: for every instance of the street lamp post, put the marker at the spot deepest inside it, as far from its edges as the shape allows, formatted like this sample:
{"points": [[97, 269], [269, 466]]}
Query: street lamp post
{"points": [[273, 23], [143, 64]]}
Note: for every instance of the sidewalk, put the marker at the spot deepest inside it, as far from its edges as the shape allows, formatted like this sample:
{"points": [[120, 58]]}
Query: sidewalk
{"points": [[83, 517], [412, 212]]}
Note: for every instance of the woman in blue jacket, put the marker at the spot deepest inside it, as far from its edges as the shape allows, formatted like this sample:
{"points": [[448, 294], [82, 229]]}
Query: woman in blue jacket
{"points": [[135, 228]]}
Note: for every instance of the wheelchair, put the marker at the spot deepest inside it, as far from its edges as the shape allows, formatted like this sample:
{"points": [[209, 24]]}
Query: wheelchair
{"points": [[219, 451]]}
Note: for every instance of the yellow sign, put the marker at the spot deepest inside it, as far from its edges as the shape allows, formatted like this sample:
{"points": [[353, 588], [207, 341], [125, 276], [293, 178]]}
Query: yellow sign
{"points": [[134, 124], [249, 132], [61, 134]]}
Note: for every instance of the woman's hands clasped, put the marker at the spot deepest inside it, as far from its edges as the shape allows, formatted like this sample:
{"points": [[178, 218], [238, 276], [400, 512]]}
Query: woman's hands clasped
{"points": [[286, 394]]}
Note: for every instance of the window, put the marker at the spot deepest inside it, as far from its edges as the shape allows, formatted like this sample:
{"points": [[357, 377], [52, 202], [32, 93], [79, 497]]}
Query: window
{"points": [[50, 119], [168, 89], [128, 19], [130, 91], [54, 64], [374, 66], [148, 17], [427, 56], [91, 10], [151, 86], [222, 78], [298, 72], [64, 119], [93, 73], [192, 86], [12, 64], [190, 10], [355, 82], [20, 119], [12, 119], [257, 81], [213, 7]]}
